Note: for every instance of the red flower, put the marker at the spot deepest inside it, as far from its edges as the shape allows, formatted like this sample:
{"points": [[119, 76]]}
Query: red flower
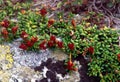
{"points": [[23, 46], [71, 66], [5, 23], [51, 22], [118, 56], [23, 11], [73, 23], [24, 35], [71, 46], [60, 44], [43, 11], [4, 33], [14, 29], [91, 50], [42, 45], [34, 39], [50, 43], [29, 43], [53, 38]]}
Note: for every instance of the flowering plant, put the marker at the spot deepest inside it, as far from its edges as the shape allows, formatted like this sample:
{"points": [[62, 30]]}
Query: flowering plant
{"points": [[70, 66], [39, 32], [8, 30]]}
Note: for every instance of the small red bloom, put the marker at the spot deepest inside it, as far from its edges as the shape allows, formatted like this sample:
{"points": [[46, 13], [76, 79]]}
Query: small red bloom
{"points": [[23, 46], [73, 23], [23, 11], [5, 23], [50, 43], [24, 35], [60, 44], [71, 46], [42, 45], [71, 66], [34, 39], [29, 43], [91, 50], [51, 22], [53, 38], [70, 63], [43, 11], [4, 33], [118, 56], [14, 29]]}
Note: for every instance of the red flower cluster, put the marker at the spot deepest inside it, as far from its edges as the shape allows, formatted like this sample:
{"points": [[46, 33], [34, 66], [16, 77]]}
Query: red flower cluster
{"points": [[53, 38], [118, 56], [34, 39], [71, 46], [43, 11], [24, 35], [60, 44], [14, 29], [52, 41], [51, 22], [91, 50], [29, 43], [73, 23], [5, 23], [4, 32], [23, 46], [71, 66], [42, 45], [23, 11]]}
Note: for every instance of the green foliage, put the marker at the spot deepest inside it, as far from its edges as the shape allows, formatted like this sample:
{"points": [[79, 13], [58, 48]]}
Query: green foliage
{"points": [[11, 8], [31, 22], [1, 2], [104, 63], [2, 15]]}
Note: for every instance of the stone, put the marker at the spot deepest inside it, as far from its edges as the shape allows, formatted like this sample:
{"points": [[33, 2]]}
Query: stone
{"points": [[58, 55]]}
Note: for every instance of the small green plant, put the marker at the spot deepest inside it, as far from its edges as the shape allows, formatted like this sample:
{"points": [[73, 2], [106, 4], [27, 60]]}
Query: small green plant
{"points": [[1, 2], [39, 33], [11, 8], [104, 62]]}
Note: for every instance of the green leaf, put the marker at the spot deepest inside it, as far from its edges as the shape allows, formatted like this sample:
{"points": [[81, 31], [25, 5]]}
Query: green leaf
{"points": [[59, 4]]}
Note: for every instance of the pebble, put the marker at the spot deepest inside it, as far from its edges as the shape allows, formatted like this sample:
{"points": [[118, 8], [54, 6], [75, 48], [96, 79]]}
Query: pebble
{"points": [[44, 72]]}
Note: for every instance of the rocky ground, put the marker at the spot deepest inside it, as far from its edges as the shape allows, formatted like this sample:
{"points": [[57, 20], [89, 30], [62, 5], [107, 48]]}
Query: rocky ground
{"points": [[43, 66]]}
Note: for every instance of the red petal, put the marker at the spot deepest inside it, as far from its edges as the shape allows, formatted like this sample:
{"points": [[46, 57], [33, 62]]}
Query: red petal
{"points": [[71, 46]]}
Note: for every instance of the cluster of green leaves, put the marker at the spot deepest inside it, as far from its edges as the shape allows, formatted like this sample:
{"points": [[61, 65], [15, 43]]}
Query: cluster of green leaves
{"points": [[11, 36], [31, 21], [2, 15], [11, 8], [104, 62]]}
